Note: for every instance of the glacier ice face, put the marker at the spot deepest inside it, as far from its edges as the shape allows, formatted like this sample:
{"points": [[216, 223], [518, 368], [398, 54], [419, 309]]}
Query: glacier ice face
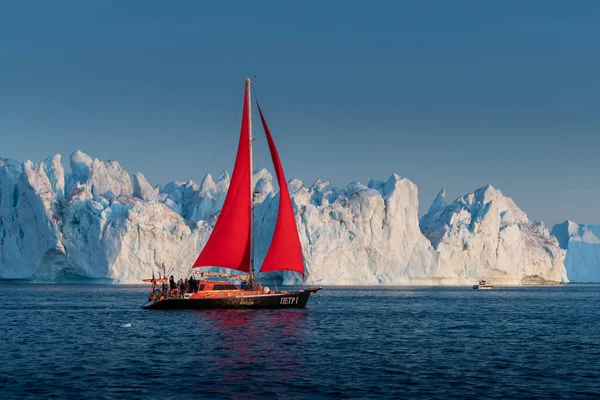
{"points": [[56, 175], [356, 235], [98, 222], [142, 189], [369, 234], [484, 235], [107, 179], [197, 202], [29, 218], [125, 239], [582, 243], [438, 203]]}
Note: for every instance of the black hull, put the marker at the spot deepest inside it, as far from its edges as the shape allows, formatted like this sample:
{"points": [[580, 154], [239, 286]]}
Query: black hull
{"points": [[279, 300]]}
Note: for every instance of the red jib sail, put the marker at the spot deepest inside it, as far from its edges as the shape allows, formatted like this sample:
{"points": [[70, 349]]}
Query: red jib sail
{"points": [[229, 243], [285, 252]]}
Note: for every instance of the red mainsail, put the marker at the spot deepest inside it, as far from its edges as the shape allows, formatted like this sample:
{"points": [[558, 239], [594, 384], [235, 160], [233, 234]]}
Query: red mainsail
{"points": [[229, 243], [285, 252]]}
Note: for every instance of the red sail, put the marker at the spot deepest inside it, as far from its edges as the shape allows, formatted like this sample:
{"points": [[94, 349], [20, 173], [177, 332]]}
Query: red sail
{"points": [[229, 243], [285, 252]]}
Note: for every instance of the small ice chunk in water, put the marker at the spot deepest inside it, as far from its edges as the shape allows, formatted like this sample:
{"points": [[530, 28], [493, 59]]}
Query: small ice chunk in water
{"points": [[126, 325]]}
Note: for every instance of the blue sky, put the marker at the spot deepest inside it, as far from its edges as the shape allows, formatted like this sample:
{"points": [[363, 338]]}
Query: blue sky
{"points": [[449, 94]]}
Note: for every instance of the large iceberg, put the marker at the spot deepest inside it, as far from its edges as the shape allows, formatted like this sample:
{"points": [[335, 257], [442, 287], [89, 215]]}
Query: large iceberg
{"points": [[484, 235], [582, 243], [99, 222]]}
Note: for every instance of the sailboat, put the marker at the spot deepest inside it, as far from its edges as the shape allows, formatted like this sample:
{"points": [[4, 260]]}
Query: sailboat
{"points": [[231, 243]]}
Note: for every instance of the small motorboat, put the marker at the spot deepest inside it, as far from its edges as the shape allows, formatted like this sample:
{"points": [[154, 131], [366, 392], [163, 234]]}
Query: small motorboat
{"points": [[483, 285]]}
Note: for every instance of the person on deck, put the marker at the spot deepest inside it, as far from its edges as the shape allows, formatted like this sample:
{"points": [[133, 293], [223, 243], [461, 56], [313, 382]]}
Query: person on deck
{"points": [[193, 284], [172, 283], [186, 285], [180, 288]]}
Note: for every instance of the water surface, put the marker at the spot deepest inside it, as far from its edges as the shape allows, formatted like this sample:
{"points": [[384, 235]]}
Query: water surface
{"points": [[95, 341]]}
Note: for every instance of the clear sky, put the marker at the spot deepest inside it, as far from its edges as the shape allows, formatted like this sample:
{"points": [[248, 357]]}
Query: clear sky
{"points": [[453, 94]]}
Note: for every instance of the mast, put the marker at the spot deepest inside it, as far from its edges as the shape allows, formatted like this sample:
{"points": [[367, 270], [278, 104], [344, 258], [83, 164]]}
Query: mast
{"points": [[248, 88]]}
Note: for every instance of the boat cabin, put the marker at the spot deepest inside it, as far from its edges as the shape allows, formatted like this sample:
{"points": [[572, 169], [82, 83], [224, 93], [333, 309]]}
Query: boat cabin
{"points": [[223, 289], [483, 284], [208, 286]]}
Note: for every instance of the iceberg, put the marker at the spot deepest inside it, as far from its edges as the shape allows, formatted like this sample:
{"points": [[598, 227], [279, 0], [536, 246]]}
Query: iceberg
{"points": [[484, 235], [582, 243], [362, 235], [100, 222]]}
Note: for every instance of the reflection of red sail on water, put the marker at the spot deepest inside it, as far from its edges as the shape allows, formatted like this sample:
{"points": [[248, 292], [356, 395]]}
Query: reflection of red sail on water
{"points": [[231, 243], [239, 345]]}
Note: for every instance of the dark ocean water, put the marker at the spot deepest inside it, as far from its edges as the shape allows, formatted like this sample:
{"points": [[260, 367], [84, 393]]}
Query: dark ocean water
{"points": [[94, 341]]}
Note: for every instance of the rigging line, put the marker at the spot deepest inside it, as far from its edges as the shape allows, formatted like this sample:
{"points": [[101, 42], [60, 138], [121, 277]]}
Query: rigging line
{"points": [[233, 117], [171, 271], [255, 94], [257, 234], [254, 91]]}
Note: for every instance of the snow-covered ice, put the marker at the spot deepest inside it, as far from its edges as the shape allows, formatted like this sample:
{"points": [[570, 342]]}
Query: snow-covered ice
{"points": [[99, 222]]}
